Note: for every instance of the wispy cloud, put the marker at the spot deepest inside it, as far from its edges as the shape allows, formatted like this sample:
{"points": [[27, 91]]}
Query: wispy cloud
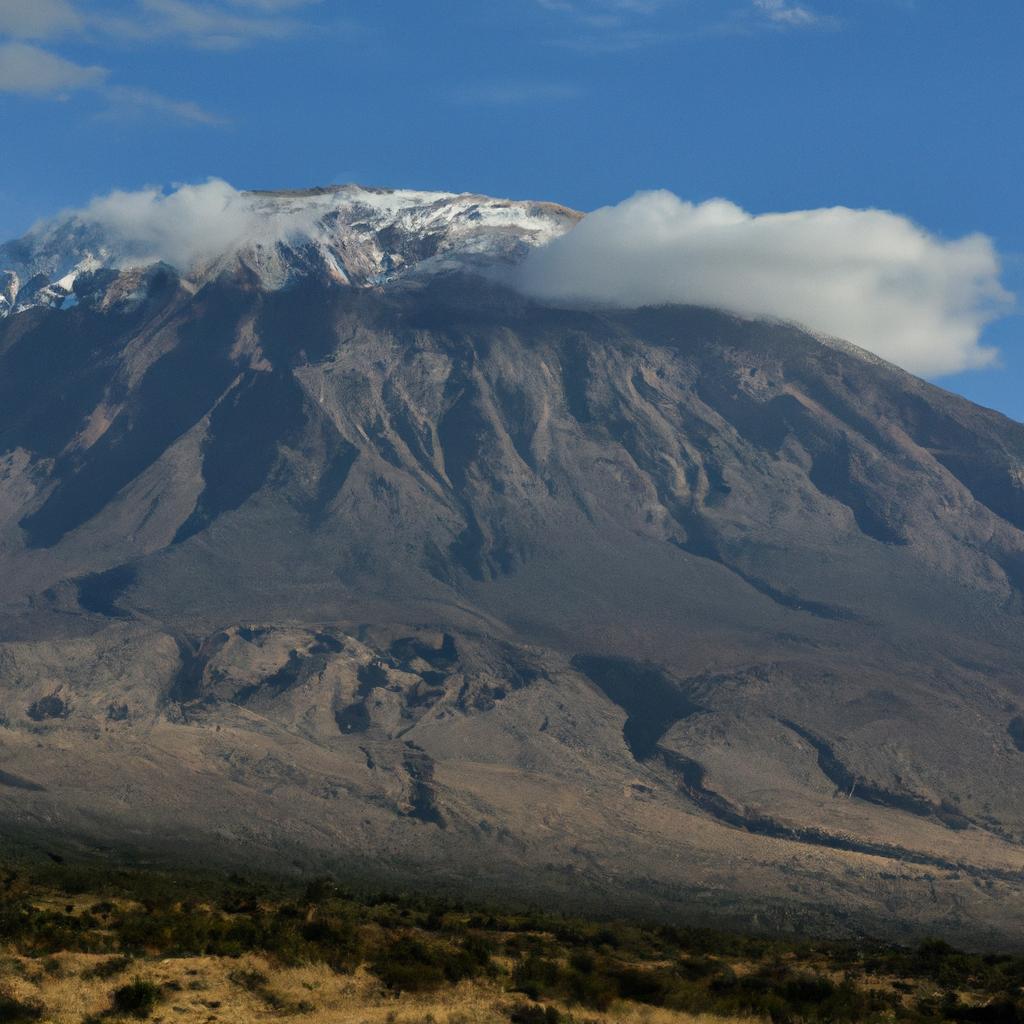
{"points": [[39, 19], [620, 40], [272, 6], [615, 26], [587, 8], [31, 71], [28, 69], [785, 14], [606, 26], [127, 101], [203, 26]]}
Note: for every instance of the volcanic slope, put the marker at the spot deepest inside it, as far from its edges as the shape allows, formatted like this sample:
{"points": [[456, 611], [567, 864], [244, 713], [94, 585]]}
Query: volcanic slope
{"points": [[402, 574]]}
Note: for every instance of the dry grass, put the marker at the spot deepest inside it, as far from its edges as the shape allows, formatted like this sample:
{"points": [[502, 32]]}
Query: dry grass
{"points": [[203, 990], [227, 951]]}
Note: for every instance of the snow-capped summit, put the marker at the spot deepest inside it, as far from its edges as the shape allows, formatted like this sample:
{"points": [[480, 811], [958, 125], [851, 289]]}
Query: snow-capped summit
{"points": [[354, 234]]}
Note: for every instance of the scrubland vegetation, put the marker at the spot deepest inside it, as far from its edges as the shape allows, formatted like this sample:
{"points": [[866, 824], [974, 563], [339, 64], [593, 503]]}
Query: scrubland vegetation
{"points": [[85, 947]]}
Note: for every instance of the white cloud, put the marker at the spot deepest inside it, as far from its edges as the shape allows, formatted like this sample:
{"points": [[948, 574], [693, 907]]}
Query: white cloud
{"points": [[192, 225], [791, 15], [869, 276], [31, 71], [38, 19]]}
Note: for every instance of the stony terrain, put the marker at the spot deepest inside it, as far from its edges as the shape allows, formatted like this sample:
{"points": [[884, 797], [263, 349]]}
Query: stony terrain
{"points": [[410, 576]]}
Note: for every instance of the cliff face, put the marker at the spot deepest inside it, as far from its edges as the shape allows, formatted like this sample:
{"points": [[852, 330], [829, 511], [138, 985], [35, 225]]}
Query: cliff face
{"points": [[661, 607]]}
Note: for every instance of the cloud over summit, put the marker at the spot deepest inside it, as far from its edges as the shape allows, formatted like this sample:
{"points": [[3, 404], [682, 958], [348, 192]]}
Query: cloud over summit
{"points": [[190, 225], [869, 276]]}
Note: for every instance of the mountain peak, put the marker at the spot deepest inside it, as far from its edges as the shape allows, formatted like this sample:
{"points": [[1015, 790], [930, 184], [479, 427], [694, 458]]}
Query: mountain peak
{"points": [[354, 234]]}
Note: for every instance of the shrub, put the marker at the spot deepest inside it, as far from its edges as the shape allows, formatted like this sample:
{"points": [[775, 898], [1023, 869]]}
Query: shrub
{"points": [[337, 941], [536, 976], [696, 968], [527, 1014], [582, 962], [320, 890], [645, 986], [251, 981], [410, 965], [18, 1011], [137, 999], [598, 991], [1001, 1011], [479, 949], [108, 968], [407, 965], [53, 967]]}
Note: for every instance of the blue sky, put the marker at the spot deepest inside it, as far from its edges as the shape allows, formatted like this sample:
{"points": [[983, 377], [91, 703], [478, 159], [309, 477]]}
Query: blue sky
{"points": [[776, 105]]}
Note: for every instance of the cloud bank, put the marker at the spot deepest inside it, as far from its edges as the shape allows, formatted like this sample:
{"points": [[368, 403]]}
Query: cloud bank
{"points": [[869, 276]]}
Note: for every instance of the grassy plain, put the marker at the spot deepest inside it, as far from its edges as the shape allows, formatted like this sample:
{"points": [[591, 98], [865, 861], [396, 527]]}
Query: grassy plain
{"points": [[82, 946]]}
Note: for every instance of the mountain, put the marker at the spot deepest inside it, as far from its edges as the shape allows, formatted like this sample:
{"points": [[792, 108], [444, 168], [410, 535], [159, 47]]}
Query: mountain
{"points": [[334, 552], [349, 234]]}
